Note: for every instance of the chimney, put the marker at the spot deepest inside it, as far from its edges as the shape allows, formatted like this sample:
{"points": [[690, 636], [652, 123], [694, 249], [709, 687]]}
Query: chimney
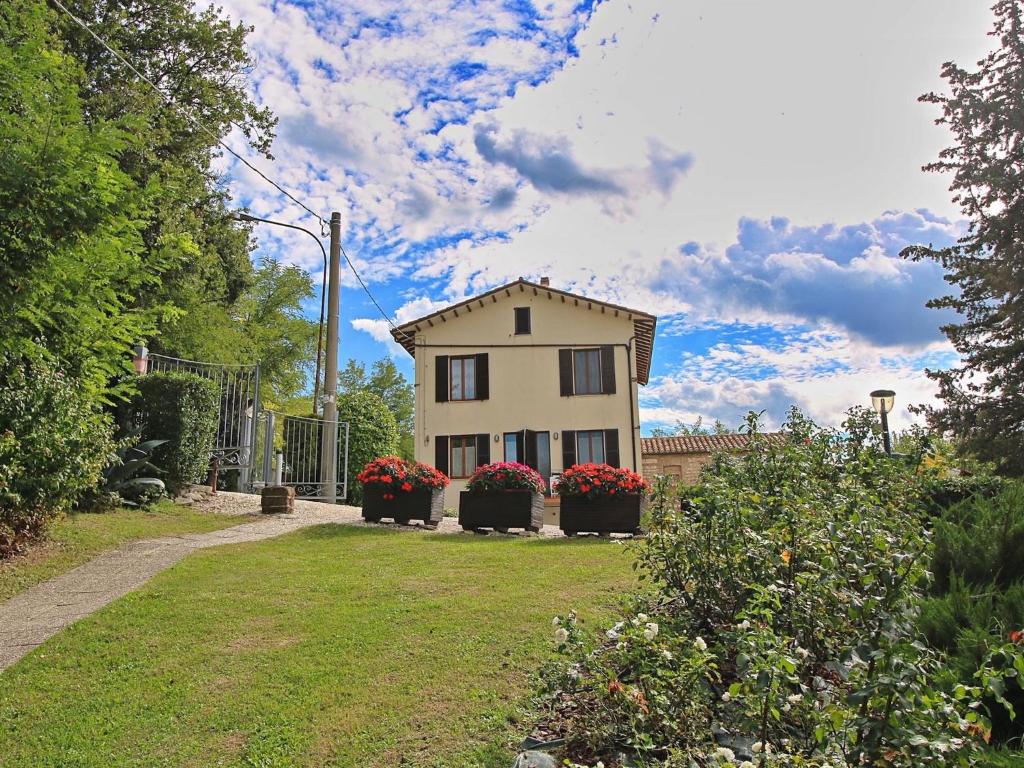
{"points": [[545, 281]]}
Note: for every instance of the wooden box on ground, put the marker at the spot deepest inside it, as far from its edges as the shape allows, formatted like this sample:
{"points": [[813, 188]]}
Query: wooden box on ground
{"points": [[420, 504], [501, 510], [608, 514], [277, 499]]}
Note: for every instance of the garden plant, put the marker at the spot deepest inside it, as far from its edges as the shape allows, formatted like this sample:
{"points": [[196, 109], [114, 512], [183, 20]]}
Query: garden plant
{"points": [[601, 498], [403, 490], [503, 495], [777, 625]]}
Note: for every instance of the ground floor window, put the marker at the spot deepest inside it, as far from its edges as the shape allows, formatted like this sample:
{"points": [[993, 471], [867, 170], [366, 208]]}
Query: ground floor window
{"points": [[463, 455], [590, 447]]}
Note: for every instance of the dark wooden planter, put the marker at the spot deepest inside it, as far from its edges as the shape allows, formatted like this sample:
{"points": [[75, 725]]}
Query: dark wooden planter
{"points": [[608, 514], [422, 504], [501, 510]]}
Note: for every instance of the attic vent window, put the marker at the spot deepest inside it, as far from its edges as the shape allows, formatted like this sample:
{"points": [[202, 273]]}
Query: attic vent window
{"points": [[522, 321]]}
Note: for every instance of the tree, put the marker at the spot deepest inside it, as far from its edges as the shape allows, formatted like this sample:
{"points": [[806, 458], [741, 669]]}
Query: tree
{"points": [[72, 249], [393, 388], [198, 59], [372, 434], [265, 324], [983, 397], [681, 428]]}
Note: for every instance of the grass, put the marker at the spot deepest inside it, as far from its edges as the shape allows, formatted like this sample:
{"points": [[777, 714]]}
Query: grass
{"points": [[332, 646], [76, 538]]}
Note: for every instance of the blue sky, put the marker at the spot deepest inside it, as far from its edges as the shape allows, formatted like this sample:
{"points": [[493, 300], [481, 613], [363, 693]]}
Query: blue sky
{"points": [[747, 171]]}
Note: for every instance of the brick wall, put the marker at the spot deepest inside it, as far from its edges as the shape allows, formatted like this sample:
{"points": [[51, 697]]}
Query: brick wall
{"points": [[684, 466]]}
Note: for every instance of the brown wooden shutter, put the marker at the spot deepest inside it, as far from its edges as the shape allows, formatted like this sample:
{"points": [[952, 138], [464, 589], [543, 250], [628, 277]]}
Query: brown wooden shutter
{"points": [[608, 369], [565, 371], [611, 447], [568, 449], [441, 453], [483, 377], [441, 378], [529, 448], [483, 450]]}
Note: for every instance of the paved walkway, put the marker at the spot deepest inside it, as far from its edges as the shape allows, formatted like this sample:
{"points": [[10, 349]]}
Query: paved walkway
{"points": [[37, 614]]}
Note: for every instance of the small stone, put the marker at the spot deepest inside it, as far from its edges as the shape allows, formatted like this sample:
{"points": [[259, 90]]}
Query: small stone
{"points": [[534, 759]]}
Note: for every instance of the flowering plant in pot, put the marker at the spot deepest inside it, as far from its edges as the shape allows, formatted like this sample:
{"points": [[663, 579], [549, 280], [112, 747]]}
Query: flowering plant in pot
{"points": [[601, 498], [503, 495], [506, 476], [402, 490]]}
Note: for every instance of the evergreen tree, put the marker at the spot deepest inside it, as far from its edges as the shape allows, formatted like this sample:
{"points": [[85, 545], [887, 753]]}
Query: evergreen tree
{"points": [[983, 397]]}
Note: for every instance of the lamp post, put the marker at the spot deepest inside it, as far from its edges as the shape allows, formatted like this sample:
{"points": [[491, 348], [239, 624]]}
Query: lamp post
{"points": [[323, 295], [882, 401], [140, 360]]}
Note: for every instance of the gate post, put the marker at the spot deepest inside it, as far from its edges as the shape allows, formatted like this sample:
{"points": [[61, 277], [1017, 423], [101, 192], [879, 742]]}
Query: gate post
{"points": [[268, 448]]}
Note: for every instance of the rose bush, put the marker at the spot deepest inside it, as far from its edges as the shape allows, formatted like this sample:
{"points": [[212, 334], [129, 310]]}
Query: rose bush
{"points": [[506, 476], [596, 480], [395, 475], [778, 627]]}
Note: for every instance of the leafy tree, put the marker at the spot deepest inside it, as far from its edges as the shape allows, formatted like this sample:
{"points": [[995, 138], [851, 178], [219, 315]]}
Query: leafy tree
{"points": [[198, 59], [393, 388], [72, 251], [373, 433], [681, 429], [266, 323], [983, 398]]}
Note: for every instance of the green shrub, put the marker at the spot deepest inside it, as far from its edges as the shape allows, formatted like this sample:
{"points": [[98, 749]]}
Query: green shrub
{"points": [[180, 408], [373, 433], [778, 624], [54, 443]]}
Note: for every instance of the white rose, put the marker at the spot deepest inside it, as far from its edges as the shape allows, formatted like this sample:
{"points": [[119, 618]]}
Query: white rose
{"points": [[743, 625], [651, 631], [757, 747], [746, 764], [561, 635], [795, 698], [803, 653], [667, 655], [699, 644], [642, 616], [724, 753], [726, 696], [555, 621]]}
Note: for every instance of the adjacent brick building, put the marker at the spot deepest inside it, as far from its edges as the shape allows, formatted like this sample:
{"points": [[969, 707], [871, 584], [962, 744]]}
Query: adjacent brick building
{"points": [[682, 457]]}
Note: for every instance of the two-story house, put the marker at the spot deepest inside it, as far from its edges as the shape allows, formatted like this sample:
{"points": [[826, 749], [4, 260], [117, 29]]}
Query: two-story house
{"points": [[531, 374]]}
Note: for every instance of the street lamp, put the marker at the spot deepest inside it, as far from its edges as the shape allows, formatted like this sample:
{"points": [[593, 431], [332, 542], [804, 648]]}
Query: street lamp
{"points": [[140, 360], [882, 401], [323, 293]]}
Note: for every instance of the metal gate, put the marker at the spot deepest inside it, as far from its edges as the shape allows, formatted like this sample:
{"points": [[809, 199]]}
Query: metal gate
{"points": [[296, 456], [237, 411]]}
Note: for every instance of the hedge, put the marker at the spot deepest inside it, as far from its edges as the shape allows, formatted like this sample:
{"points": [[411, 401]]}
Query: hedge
{"points": [[373, 433], [54, 442], [181, 408]]}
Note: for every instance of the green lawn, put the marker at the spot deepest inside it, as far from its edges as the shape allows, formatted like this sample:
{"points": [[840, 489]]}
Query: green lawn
{"points": [[332, 646], [77, 538]]}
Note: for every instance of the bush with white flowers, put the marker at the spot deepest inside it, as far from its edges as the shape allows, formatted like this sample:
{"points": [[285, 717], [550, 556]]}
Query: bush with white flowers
{"points": [[777, 624]]}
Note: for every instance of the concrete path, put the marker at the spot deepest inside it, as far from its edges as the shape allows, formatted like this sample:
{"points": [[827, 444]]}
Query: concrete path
{"points": [[37, 614], [33, 616]]}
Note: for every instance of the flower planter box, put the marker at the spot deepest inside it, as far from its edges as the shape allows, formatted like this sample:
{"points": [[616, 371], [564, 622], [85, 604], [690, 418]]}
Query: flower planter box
{"points": [[501, 510], [420, 504], [607, 514]]}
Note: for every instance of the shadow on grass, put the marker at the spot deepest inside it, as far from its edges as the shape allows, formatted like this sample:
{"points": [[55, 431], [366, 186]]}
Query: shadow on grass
{"points": [[343, 531]]}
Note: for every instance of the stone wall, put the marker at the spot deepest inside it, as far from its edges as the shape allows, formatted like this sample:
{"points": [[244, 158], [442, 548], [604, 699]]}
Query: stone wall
{"points": [[682, 466]]}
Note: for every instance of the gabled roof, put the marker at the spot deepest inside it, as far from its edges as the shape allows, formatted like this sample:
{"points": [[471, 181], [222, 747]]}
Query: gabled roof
{"points": [[700, 443], [643, 322]]}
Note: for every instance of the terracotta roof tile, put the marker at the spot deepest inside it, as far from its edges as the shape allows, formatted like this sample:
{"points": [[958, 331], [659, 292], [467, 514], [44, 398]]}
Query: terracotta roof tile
{"points": [[699, 443]]}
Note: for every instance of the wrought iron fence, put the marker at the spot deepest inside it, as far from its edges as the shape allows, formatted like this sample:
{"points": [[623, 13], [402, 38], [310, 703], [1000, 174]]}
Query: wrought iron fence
{"points": [[296, 456], [237, 410]]}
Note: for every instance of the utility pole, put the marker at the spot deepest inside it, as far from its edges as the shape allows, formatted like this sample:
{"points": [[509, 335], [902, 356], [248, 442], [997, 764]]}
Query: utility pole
{"points": [[329, 446]]}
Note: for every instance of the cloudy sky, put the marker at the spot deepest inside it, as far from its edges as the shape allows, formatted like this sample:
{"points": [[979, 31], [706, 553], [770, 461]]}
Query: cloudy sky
{"points": [[748, 171]]}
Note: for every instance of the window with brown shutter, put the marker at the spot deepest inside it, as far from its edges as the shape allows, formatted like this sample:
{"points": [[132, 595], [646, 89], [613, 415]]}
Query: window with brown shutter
{"points": [[463, 455], [523, 325]]}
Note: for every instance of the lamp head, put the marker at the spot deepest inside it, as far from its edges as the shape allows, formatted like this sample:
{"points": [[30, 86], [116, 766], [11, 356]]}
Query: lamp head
{"points": [[882, 400], [140, 360]]}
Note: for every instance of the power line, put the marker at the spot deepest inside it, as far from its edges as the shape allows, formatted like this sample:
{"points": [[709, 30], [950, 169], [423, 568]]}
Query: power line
{"points": [[170, 102], [167, 99], [366, 290]]}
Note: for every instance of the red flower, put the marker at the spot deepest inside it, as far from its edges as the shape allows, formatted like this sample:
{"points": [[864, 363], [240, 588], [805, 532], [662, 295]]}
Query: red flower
{"points": [[406, 486], [1017, 637]]}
